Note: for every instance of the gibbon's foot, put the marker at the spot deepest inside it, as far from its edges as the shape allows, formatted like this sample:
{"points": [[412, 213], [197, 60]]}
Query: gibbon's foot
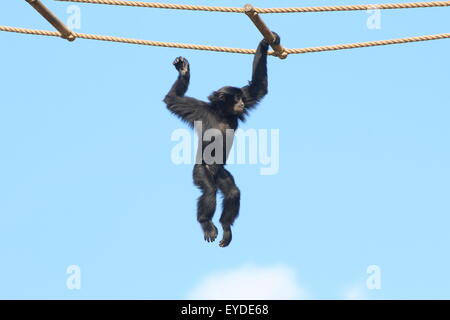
{"points": [[209, 231], [227, 236], [181, 64]]}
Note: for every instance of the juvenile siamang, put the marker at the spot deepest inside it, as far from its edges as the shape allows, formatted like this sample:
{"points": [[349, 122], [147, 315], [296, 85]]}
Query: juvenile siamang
{"points": [[227, 105]]}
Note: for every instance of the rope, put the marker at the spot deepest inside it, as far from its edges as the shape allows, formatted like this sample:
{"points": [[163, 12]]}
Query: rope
{"points": [[225, 49], [369, 44], [128, 40], [267, 10]]}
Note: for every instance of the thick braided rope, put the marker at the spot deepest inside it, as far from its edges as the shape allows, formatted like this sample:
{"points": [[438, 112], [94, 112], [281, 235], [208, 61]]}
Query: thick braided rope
{"points": [[267, 10], [128, 40], [159, 5], [164, 44], [369, 44], [224, 49]]}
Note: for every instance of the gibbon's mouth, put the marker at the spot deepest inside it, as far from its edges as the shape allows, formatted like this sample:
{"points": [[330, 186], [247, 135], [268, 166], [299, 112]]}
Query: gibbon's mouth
{"points": [[240, 109]]}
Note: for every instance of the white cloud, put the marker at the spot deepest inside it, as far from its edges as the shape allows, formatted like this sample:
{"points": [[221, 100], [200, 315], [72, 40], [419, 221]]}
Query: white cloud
{"points": [[356, 292], [250, 282]]}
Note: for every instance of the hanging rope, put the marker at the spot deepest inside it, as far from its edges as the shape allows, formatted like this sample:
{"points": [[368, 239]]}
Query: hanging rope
{"points": [[267, 10], [225, 49], [249, 10], [369, 44]]}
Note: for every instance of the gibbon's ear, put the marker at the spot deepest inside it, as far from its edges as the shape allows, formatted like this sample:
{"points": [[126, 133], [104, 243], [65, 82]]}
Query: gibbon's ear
{"points": [[217, 97]]}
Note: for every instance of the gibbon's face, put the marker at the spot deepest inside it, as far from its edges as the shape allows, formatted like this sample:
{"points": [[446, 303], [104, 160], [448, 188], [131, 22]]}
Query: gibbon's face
{"points": [[230, 98], [238, 105]]}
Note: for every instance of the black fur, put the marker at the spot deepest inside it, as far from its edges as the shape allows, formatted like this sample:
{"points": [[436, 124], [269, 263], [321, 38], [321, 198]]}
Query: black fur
{"points": [[222, 112]]}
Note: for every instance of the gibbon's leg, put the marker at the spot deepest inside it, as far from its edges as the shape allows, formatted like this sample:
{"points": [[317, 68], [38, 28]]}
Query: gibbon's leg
{"points": [[206, 205], [230, 204]]}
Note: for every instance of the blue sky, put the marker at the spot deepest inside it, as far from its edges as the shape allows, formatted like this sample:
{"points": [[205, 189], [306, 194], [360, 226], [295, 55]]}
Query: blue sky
{"points": [[86, 176]]}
